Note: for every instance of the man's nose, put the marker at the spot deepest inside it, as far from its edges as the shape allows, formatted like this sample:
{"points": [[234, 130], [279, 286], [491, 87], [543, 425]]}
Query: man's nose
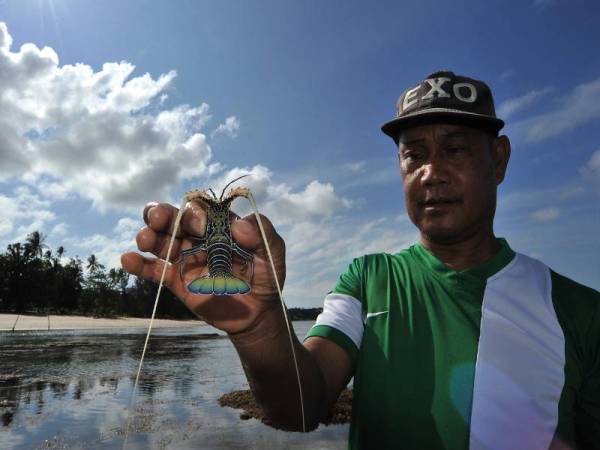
{"points": [[434, 171]]}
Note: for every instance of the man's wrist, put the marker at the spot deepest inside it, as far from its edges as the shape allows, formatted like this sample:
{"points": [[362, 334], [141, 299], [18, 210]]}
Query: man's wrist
{"points": [[268, 325]]}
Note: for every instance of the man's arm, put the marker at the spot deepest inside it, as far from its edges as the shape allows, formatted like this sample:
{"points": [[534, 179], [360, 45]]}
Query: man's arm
{"points": [[254, 321], [265, 353]]}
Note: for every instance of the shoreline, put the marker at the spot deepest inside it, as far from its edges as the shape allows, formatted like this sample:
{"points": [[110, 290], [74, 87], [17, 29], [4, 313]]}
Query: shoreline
{"points": [[57, 322]]}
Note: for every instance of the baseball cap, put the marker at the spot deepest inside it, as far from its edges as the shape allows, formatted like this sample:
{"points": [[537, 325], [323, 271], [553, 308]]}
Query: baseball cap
{"points": [[448, 98]]}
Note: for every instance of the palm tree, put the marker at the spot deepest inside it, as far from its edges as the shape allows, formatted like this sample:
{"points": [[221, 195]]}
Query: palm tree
{"points": [[15, 253], [35, 246], [119, 278], [16, 256], [93, 263]]}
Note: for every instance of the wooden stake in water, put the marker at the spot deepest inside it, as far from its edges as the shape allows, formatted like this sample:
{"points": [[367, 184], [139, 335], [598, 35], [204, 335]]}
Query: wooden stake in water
{"points": [[16, 320]]}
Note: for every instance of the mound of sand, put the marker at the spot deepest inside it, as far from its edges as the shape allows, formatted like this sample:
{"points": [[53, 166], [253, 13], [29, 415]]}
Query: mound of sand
{"points": [[244, 400]]}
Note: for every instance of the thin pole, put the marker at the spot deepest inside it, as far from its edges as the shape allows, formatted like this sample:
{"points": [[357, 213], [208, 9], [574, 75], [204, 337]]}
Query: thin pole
{"points": [[16, 320]]}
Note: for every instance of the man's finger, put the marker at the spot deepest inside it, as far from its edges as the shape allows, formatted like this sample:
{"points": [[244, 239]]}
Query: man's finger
{"points": [[146, 210], [151, 269], [247, 233], [193, 221], [150, 241], [160, 217]]}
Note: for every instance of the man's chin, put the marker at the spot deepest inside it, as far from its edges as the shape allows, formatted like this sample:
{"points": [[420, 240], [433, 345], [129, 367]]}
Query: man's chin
{"points": [[442, 235]]}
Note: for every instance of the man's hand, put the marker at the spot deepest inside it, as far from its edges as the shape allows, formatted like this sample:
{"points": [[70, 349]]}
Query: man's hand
{"points": [[234, 313], [254, 320]]}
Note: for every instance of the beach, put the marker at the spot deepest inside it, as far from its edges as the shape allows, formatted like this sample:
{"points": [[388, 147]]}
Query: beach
{"points": [[53, 322]]}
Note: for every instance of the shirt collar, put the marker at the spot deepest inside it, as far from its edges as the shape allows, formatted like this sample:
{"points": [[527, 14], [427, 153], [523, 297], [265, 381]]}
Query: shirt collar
{"points": [[482, 272]]}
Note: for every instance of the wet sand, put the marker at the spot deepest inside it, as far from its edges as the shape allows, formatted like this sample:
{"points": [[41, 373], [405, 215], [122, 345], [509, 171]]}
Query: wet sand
{"points": [[52, 322]]}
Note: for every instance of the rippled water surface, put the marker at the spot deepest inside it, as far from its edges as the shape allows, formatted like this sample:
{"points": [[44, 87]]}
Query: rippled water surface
{"points": [[71, 390]]}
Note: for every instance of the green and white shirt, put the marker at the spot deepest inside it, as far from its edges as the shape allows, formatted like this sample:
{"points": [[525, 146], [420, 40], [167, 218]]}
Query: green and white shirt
{"points": [[502, 356]]}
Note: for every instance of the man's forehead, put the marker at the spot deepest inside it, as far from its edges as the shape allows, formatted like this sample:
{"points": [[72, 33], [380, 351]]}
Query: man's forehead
{"points": [[438, 130]]}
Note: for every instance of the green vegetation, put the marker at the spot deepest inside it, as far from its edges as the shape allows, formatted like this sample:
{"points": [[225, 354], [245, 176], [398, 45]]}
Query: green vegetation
{"points": [[36, 280]]}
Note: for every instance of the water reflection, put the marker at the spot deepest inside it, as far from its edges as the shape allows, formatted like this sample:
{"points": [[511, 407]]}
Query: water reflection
{"points": [[60, 390], [35, 368]]}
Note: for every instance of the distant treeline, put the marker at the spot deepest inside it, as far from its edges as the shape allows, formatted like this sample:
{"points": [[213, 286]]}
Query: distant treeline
{"points": [[304, 313], [36, 280]]}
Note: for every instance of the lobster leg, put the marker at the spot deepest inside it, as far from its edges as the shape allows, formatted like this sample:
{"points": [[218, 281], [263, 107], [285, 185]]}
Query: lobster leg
{"points": [[201, 247], [246, 256]]}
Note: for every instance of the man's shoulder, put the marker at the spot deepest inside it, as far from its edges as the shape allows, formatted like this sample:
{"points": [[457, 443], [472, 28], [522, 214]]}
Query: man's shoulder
{"points": [[568, 293], [573, 302], [573, 286]]}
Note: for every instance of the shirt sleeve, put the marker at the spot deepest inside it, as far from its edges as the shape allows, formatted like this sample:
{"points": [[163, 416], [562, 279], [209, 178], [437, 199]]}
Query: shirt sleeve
{"points": [[587, 423], [342, 319], [578, 308]]}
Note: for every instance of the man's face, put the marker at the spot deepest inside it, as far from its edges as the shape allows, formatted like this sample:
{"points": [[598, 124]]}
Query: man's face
{"points": [[450, 174]]}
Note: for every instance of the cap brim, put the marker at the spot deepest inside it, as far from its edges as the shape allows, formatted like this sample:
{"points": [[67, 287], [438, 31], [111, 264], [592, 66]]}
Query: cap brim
{"points": [[440, 115]]}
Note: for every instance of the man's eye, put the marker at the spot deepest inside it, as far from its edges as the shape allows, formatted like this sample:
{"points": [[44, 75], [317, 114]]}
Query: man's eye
{"points": [[455, 150], [411, 156]]}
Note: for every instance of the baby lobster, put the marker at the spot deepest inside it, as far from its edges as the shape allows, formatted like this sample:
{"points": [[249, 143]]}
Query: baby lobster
{"points": [[218, 244]]}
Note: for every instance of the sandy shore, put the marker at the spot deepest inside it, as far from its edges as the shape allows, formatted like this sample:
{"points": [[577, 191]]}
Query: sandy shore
{"points": [[52, 322]]}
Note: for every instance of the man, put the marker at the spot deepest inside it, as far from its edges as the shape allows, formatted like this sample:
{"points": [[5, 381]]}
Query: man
{"points": [[455, 343]]}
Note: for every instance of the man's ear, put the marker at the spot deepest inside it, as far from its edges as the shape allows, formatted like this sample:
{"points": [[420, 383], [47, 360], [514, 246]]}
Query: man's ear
{"points": [[500, 155]]}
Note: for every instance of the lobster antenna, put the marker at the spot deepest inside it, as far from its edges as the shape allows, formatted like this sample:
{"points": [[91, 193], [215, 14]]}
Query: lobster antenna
{"points": [[285, 314], [230, 183]]}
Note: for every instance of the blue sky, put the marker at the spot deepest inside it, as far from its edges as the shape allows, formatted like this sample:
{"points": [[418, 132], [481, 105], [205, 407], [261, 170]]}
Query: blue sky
{"points": [[107, 105]]}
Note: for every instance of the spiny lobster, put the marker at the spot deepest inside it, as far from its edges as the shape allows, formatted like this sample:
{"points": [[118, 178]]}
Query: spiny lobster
{"points": [[218, 244]]}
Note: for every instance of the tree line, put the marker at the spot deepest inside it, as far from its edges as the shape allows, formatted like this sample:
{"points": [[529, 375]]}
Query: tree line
{"points": [[35, 279]]}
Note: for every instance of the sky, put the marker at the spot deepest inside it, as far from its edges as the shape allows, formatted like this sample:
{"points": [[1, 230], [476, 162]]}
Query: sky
{"points": [[109, 105]]}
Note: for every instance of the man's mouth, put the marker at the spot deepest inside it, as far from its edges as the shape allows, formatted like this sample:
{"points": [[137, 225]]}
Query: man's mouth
{"points": [[439, 201]]}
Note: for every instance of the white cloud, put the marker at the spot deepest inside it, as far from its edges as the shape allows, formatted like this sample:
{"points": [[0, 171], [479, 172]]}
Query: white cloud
{"points": [[107, 247], [278, 200], [54, 190], [579, 107], [60, 229], [509, 107], [545, 214], [127, 227], [387, 174], [317, 251], [21, 214], [9, 210], [508, 73], [231, 127], [91, 132], [591, 171], [534, 198], [403, 218], [355, 167]]}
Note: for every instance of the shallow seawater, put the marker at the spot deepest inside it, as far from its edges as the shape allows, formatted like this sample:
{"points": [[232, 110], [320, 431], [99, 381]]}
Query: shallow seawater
{"points": [[71, 390]]}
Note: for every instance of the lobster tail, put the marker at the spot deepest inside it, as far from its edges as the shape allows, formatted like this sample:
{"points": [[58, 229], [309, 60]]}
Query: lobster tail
{"points": [[219, 285]]}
